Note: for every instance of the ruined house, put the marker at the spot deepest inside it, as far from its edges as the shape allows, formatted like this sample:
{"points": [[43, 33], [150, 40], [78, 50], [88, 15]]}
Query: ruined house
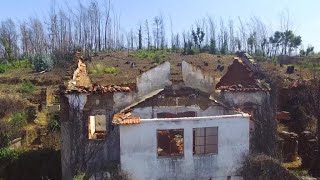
{"points": [[173, 122]]}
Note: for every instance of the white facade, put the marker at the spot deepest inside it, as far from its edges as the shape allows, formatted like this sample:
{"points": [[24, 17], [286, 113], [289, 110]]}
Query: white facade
{"points": [[138, 148]]}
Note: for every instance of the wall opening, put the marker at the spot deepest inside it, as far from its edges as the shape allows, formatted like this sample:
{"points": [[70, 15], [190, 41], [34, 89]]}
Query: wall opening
{"points": [[97, 126], [205, 140], [170, 142], [176, 115]]}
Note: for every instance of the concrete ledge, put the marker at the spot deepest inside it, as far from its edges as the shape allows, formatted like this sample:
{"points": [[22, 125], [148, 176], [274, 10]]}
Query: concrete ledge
{"points": [[243, 115]]}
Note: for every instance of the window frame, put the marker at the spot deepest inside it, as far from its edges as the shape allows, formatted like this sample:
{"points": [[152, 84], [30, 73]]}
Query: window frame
{"points": [[103, 134], [170, 156], [205, 136]]}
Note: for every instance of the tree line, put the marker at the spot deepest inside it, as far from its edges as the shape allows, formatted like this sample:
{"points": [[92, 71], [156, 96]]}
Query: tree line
{"points": [[95, 27]]}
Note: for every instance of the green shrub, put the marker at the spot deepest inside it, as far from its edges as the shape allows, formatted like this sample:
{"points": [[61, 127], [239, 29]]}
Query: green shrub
{"points": [[2, 68], [54, 123], [42, 62], [100, 69], [8, 154], [79, 176], [111, 70], [27, 87], [15, 65], [20, 64], [151, 54], [18, 120]]}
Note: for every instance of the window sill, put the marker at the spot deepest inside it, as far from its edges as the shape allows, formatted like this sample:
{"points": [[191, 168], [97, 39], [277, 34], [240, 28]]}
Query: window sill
{"points": [[204, 155], [171, 157], [96, 139], [97, 136]]}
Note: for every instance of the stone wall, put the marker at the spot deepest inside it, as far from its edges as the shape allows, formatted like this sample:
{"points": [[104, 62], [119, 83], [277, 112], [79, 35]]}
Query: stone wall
{"points": [[197, 79], [78, 152], [153, 79]]}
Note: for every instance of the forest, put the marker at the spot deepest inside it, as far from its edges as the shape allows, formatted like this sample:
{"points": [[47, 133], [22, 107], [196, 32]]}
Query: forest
{"points": [[96, 27]]}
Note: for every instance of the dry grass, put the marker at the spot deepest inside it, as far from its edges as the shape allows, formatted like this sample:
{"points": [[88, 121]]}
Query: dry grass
{"points": [[281, 127], [10, 103], [293, 165]]}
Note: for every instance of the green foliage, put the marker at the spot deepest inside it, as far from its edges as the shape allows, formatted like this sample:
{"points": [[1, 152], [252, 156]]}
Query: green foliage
{"points": [[151, 54], [309, 50], [79, 176], [110, 70], [286, 40], [101, 69], [27, 87], [198, 36], [42, 62], [18, 120], [19, 64], [188, 48], [9, 154], [2, 68], [54, 123], [213, 48]]}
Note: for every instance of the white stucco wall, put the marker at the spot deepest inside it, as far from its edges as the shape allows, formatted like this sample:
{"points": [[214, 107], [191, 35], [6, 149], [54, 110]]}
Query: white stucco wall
{"points": [[138, 148], [153, 79], [195, 78]]}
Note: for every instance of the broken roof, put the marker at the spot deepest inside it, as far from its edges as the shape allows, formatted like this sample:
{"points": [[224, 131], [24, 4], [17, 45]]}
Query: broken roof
{"points": [[242, 76], [125, 118], [127, 72], [95, 88]]}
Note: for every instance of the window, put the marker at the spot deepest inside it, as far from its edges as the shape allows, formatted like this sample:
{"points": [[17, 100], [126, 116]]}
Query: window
{"points": [[205, 140], [97, 126], [170, 142]]}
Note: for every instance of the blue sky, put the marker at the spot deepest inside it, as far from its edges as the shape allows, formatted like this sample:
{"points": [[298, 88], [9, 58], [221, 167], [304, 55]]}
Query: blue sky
{"points": [[303, 14]]}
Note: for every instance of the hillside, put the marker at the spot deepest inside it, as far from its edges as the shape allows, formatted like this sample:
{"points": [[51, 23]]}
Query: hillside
{"points": [[28, 99]]}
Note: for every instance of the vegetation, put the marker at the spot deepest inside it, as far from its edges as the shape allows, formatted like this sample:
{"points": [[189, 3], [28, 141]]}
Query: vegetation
{"points": [[101, 69], [18, 64], [54, 123], [7, 154], [38, 164], [42, 62], [34, 38], [264, 167], [27, 87], [18, 120], [149, 54]]}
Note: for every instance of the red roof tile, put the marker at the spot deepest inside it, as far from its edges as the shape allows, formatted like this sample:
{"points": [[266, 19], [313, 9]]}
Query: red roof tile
{"points": [[125, 118], [241, 77], [98, 89]]}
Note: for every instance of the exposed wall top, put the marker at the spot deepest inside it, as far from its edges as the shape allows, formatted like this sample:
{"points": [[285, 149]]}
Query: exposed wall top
{"points": [[130, 67], [241, 76], [81, 82], [95, 88]]}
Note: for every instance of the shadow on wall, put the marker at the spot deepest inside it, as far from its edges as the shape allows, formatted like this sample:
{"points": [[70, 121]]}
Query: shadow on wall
{"points": [[39, 164]]}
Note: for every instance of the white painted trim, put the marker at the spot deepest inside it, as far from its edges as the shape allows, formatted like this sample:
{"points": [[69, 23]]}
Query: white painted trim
{"points": [[243, 115]]}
